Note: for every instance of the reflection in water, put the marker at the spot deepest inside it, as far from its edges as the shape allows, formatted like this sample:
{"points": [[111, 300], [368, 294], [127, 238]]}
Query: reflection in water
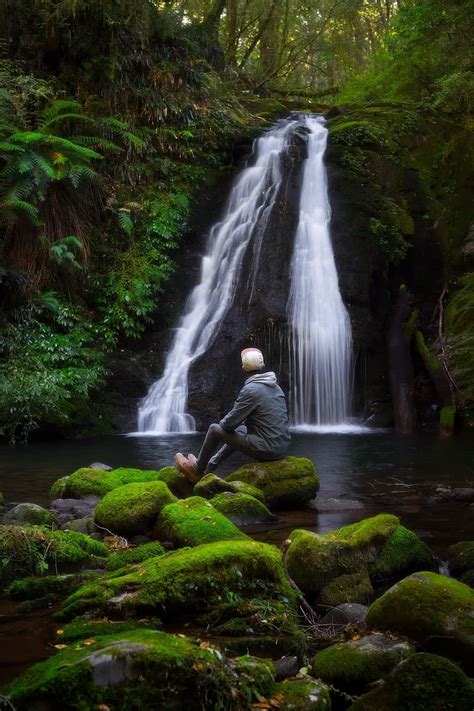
{"points": [[347, 466]]}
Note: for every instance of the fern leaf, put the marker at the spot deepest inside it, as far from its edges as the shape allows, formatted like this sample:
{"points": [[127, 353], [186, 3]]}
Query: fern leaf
{"points": [[125, 222]]}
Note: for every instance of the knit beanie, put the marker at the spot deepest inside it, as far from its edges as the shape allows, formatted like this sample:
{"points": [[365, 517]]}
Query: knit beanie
{"points": [[252, 359]]}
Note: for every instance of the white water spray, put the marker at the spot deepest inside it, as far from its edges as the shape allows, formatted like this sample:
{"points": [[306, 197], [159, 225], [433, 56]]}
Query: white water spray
{"points": [[251, 201], [321, 338]]}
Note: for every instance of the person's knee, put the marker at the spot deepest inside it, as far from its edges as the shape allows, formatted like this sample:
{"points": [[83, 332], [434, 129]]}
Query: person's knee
{"points": [[214, 429]]}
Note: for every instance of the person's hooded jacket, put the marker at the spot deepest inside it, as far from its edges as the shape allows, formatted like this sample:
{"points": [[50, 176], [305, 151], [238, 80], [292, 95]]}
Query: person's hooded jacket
{"points": [[261, 405]]}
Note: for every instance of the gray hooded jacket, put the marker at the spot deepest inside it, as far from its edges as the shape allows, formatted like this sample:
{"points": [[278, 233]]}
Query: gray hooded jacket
{"points": [[261, 404]]}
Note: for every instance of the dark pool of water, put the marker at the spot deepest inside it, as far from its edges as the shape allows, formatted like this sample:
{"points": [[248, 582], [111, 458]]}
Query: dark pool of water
{"points": [[348, 465]]}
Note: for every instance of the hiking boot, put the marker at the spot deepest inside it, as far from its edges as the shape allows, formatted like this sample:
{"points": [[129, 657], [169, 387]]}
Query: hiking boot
{"points": [[186, 468]]}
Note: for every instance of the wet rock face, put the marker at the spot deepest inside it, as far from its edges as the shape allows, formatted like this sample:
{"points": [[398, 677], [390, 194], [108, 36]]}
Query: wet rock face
{"points": [[258, 314]]}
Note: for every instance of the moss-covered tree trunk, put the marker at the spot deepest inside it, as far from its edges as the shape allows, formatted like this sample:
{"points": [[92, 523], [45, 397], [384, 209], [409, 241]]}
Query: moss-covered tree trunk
{"points": [[440, 381], [401, 365]]}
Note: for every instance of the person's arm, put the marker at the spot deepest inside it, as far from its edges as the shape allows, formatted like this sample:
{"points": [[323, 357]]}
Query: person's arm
{"points": [[243, 406]]}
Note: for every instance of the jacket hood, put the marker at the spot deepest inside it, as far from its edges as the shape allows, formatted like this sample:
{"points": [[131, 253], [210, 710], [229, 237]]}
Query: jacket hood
{"points": [[265, 378]]}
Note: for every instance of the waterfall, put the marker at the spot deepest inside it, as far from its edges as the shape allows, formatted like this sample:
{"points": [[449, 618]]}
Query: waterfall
{"points": [[250, 203], [320, 331], [321, 339]]}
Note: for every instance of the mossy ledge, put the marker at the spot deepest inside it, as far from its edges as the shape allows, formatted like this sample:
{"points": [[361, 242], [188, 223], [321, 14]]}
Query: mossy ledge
{"points": [[87, 481]]}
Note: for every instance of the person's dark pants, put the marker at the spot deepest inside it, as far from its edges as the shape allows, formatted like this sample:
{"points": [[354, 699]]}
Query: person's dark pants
{"points": [[230, 441]]}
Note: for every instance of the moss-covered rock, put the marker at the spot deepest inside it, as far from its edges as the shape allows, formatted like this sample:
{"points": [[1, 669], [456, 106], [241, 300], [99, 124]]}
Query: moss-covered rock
{"points": [[134, 555], [427, 606], [87, 481], [189, 580], [212, 485], [90, 629], [423, 681], [313, 560], [142, 669], [461, 561], [354, 587], [28, 514], [305, 694], [286, 483], [85, 525], [351, 665], [49, 588], [175, 481], [377, 546], [194, 521], [133, 508], [34, 550], [402, 554], [242, 509]]}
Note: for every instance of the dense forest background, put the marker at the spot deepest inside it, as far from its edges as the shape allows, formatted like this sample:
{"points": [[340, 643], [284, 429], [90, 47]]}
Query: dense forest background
{"points": [[117, 115]]}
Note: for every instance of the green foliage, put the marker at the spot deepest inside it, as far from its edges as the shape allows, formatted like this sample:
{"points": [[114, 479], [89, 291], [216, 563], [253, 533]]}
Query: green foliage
{"points": [[47, 367]]}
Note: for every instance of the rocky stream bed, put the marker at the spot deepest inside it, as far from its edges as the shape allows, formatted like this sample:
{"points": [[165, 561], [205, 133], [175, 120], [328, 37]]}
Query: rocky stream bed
{"points": [[147, 592]]}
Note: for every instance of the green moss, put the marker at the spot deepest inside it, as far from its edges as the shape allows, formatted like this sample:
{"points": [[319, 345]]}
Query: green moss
{"points": [[175, 481], [90, 629], [423, 681], [28, 514], [86, 481], [134, 555], [425, 605], [54, 587], [446, 417], [34, 550], [285, 483], [431, 362], [242, 509], [352, 665], [133, 508], [194, 521], [150, 670], [313, 560], [187, 580], [402, 554], [354, 587], [212, 485], [303, 695], [461, 558]]}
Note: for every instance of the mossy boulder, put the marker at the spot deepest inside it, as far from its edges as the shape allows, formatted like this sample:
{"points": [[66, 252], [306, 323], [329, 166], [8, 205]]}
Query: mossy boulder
{"points": [[193, 521], [212, 485], [402, 554], [461, 561], [351, 666], [421, 682], [313, 560], [28, 513], [190, 580], [377, 546], [353, 587], [430, 609], [242, 509], [142, 669], [87, 481], [85, 525], [175, 481], [303, 694], [134, 555], [133, 509], [286, 483], [33, 550]]}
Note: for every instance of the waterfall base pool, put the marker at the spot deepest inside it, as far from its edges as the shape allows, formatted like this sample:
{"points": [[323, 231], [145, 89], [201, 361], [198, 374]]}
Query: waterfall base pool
{"points": [[378, 468]]}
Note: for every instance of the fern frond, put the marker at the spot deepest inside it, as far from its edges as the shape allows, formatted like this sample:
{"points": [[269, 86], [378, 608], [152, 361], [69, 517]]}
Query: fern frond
{"points": [[26, 207], [125, 222], [65, 117], [75, 148], [103, 143]]}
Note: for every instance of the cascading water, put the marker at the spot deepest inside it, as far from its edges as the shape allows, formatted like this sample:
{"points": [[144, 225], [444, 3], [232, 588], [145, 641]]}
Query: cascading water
{"points": [[251, 201], [321, 338]]}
